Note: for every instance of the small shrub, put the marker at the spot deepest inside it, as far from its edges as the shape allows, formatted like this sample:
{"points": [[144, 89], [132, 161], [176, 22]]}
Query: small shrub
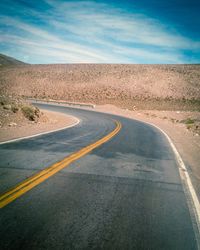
{"points": [[189, 121], [30, 112], [188, 126]]}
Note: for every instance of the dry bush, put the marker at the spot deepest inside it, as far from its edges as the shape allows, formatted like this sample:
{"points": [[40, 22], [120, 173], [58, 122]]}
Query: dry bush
{"points": [[30, 112]]}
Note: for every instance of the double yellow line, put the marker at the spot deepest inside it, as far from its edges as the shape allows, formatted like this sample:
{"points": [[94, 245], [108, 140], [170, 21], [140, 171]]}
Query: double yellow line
{"points": [[41, 176]]}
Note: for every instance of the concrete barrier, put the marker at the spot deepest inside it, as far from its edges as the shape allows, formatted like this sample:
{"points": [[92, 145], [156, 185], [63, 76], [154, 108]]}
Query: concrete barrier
{"points": [[75, 104]]}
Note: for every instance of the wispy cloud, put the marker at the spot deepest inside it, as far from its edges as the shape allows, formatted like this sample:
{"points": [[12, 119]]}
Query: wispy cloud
{"points": [[87, 31]]}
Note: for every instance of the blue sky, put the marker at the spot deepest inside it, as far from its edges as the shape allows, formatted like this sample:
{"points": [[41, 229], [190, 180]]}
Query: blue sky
{"points": [[140, 31]]}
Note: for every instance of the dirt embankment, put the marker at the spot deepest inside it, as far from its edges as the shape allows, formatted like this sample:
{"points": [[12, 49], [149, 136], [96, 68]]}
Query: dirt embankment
{"points": [[161, 87]]}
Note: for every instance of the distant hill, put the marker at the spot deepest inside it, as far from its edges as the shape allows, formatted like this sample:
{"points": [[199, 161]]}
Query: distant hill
{"points": [[9, 61], [161, 87]]}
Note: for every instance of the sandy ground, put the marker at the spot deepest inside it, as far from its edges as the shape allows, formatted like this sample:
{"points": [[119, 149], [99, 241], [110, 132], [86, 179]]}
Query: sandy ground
{"points": [[186, 141], [53, 120]]}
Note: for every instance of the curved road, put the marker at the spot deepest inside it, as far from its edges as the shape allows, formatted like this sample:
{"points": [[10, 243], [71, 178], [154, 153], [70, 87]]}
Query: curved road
{"points": [[125, 194]]}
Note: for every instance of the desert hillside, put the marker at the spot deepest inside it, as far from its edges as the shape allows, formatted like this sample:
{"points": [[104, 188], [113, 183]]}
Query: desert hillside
{"points": [[128, 86]]}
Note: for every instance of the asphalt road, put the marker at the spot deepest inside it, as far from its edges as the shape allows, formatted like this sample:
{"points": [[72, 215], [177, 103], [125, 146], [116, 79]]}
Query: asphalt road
{"points": [[125, 194]]}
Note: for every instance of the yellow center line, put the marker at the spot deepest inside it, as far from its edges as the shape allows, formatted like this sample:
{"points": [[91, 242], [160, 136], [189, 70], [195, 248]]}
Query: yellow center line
{"points": [[41, 176]]}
